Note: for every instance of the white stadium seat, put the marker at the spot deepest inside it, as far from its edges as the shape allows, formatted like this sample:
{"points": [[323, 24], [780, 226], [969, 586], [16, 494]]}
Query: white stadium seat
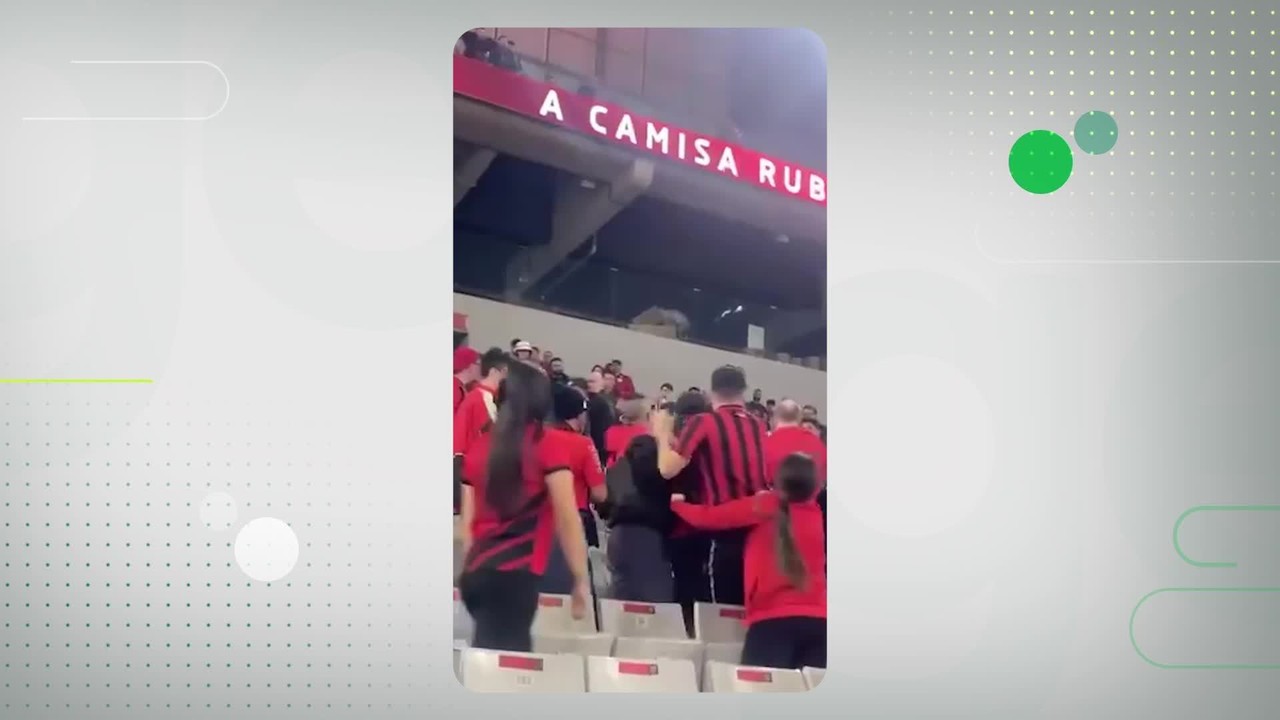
{"points": [[554, 617], [726, 678], [458, 647], [664, 648], [724, 652], [567, 644], [719, 623], [653, 648], [601, 575], [624, 675], [507, 672], [633, 619], [813, 676], [462, 625]]}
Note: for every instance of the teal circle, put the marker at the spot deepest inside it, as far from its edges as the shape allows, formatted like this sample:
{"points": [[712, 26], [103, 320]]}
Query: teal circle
{"points": [[1040, 162], [1096, 132]]}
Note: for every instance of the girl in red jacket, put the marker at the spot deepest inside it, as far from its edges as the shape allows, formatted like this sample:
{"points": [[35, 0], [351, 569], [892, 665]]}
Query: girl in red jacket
{"points": [[786, 578]]}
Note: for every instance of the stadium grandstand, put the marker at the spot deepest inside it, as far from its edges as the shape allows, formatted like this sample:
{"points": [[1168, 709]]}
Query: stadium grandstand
{"points": [[640, 214]]}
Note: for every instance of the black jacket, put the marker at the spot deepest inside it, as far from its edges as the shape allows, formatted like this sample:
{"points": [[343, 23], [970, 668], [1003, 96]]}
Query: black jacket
{"points": [[650, 502], [600, 417]]}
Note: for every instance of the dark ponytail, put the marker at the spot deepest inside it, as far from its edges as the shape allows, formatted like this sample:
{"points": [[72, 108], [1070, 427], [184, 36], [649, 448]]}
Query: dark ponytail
{"points": [[796, 482], [525, 402]]}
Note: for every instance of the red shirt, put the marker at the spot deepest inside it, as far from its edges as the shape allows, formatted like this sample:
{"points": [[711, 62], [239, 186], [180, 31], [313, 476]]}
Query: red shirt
{"points": [[524, 540], [459, 393], [794, 439], [584, 461], [618, 437], [769, 593], [624, 387], [726, 446], [475, 413]]}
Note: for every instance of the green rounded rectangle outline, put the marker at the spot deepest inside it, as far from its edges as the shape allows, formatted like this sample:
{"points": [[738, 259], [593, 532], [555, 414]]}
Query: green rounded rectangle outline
{"points": [[1197, 666]]}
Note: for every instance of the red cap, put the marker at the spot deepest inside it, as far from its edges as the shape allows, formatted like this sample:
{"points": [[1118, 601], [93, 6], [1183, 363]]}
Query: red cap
{"points": [[463, 358]]}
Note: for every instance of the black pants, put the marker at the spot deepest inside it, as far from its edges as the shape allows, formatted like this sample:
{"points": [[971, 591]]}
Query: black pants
{"points": [[589, 527], [502, 605], [822, 505], [725, 570], [789, 642], [689, 571], [708, 568], [457, 484]]}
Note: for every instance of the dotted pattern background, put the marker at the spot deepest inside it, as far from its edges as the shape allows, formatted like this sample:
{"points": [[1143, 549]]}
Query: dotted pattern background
{"points": [[118, 600], [283, 389], [1193, 90]]}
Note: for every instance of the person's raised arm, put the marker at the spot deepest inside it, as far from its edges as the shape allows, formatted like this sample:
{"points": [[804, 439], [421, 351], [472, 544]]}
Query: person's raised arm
{"points": [[740, 513]]}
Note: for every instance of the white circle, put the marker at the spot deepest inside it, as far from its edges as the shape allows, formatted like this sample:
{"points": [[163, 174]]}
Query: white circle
{"points": [[922, 454], [218, 511], [266, 549]]}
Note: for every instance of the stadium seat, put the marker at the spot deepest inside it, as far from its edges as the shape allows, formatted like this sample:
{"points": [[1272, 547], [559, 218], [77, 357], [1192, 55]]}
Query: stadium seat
{"points": [[567, 644], [633, 619], [719, 623], [601, 575], [458, 647], [813, 676], [728, 678], [622, 675], [554, 617], [508, 672], [462, 625], [724, 652], [654, 648], [663, 649]]}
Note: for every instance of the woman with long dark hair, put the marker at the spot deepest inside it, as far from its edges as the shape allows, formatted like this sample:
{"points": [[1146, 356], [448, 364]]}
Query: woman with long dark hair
{"points": [[521, 503], [785, 565]]}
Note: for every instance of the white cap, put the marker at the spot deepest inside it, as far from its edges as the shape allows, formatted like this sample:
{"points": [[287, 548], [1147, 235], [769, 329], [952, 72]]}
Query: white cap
{"points": [[524, 345]]}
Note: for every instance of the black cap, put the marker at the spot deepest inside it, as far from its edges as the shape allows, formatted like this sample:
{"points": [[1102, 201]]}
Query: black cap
{"points": [[567, 403]]}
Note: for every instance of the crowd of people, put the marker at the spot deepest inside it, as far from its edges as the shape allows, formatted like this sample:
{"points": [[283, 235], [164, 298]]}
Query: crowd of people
{"points": [[709, 496]]}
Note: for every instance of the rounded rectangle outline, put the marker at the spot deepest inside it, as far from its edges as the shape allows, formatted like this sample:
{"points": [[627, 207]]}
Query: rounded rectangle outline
{"points": [[226, 97], [1197, 666]]}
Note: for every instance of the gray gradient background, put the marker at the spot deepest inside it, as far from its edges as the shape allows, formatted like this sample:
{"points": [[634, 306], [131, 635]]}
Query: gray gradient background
{"points": [[1027, 391]]}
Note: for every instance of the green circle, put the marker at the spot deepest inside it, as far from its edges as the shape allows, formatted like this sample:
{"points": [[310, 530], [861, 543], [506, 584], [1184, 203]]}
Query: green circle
{"points": [[1040, 162], [1096, 132]]}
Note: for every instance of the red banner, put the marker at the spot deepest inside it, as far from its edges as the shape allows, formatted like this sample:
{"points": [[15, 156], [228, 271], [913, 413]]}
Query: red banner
{"points": [[615, 124]]}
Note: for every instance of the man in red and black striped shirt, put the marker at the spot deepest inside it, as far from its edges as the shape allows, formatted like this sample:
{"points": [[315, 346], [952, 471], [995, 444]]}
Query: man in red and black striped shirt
{"points": [[726, 448]]}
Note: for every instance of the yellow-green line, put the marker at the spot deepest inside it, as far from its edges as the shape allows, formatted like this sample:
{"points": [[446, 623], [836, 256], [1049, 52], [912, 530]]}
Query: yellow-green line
{"points": [[75, 381]]}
